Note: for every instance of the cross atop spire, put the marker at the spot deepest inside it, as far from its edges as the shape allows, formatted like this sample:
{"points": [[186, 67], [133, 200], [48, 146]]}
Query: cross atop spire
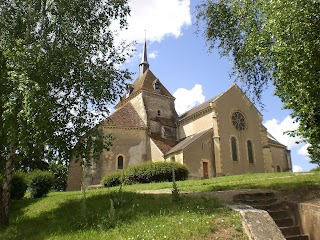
{"points": [[144, 65]]}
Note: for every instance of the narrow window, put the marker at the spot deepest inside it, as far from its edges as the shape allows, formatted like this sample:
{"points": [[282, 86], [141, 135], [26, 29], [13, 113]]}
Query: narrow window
{"points": [[159, 113], [172, 159], [234, 149], [156, 86], [278, 168], [250, 151], [120, 162]]}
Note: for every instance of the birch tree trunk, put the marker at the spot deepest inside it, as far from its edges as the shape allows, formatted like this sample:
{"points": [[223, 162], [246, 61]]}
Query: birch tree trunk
{"points": [[7, 186]]}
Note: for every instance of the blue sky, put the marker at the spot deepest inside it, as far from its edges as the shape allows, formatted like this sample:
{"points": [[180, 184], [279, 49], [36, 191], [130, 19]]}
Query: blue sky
{"points": [[180, 59]]}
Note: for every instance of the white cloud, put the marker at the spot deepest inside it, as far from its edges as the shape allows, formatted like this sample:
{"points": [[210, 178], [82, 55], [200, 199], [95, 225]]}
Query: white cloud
{"points": [[303, 150], [277, 129], [187, 99], [297, 168], [153, 55], [159, 18]]}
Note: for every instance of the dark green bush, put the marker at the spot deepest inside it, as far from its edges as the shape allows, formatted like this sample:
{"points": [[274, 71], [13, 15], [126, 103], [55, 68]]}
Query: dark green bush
{"points": [[19, 185], [60, 172], [147, 172], [155, 172], [40, 183], [112, 179]]}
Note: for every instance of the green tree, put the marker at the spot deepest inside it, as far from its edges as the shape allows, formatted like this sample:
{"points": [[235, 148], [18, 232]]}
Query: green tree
{"points": [[58, 72], [272, 41]]}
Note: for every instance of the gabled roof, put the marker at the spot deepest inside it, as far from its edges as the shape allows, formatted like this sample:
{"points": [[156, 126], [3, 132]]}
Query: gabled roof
{"points": [[145, 83], [163, 144], [187, 141], [126, 116], [198, 108]]}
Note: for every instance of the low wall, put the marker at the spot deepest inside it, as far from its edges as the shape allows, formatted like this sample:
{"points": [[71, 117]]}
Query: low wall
{"points": [[310, 219]]}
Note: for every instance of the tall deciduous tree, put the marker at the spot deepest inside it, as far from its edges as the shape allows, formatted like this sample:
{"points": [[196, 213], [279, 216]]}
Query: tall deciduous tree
{"points": [[272, 41], [58, 69]]}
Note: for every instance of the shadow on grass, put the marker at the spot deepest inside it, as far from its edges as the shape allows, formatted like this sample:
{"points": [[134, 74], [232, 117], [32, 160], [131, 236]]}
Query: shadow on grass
{"points": [[283, 186], [68, 216]]}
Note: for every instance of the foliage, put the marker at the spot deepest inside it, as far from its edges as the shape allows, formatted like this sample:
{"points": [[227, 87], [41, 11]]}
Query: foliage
{"points": [[60, 172], [112, 179], [317, 169], [19, 185], [147, 172], [40, 183], [272, 42], [155, 172], [175, 192], [58, 73]]}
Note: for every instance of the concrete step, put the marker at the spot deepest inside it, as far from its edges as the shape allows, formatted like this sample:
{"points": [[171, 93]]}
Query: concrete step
{"points": [[300, 237], [291, 231], [284, 222], [278, 214]]}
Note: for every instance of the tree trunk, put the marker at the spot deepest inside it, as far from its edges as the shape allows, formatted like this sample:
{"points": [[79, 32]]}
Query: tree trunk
{"points": [[7, 186]]}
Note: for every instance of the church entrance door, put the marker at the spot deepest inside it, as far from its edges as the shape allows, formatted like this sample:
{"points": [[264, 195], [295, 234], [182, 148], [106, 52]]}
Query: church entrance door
{"points": [[205, 169]]}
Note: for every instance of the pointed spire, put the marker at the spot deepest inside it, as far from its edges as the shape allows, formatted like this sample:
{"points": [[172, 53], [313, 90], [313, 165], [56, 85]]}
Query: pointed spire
{"points": [[144, 65]]}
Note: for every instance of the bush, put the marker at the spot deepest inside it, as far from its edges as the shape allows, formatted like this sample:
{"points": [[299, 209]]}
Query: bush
{"points": [[19, 185], [40, 183], [147, 172], [60, 172], [317, 169], [155, 172], [112, 179]]}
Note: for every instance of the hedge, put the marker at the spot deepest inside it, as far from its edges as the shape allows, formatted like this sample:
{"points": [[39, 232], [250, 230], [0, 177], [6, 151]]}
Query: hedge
{"points": [[19, 185], [147, 172], [40, 183]]}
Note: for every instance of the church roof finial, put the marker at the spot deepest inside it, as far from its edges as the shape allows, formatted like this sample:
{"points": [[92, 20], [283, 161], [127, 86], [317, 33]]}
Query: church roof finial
{"points": [[144, 65]]}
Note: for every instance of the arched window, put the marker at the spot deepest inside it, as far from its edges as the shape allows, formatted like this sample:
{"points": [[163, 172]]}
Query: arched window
{"points": [[278, 168], [159, 113], [120, 162], [234, 149], [250, 151]]}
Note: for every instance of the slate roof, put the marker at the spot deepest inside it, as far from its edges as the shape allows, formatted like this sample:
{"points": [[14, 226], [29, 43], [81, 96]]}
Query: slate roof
{"points": [[126, 116], [198, 108], [187, 141], [145, 83], [163, 144]]}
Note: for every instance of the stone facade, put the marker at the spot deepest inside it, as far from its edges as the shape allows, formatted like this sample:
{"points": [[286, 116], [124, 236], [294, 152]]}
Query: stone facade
{"points": [[223, 136]]}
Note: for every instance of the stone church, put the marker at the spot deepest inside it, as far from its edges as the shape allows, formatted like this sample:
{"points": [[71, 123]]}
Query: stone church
{"points": [[222, 136]]}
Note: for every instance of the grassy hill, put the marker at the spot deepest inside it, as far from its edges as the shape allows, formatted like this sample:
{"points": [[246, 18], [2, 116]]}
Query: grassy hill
{"points": [[126, 214]]}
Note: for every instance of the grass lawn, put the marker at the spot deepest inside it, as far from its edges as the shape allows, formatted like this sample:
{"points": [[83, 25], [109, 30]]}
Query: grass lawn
{"points": [[114, 214]]}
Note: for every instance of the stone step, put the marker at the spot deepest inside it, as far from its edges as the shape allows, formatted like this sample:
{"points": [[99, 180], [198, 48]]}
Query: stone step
{"points": [[253, 196], [291, 231], [300, 237], [284, 222], [278, 214], [255, 202], [271, 207]]}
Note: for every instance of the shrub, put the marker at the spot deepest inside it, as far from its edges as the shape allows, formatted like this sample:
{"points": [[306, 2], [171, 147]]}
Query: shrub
{"points": [[19, 185], [60, 172], [147, 172], [112, 179], [40, 183], [317, 169]]}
